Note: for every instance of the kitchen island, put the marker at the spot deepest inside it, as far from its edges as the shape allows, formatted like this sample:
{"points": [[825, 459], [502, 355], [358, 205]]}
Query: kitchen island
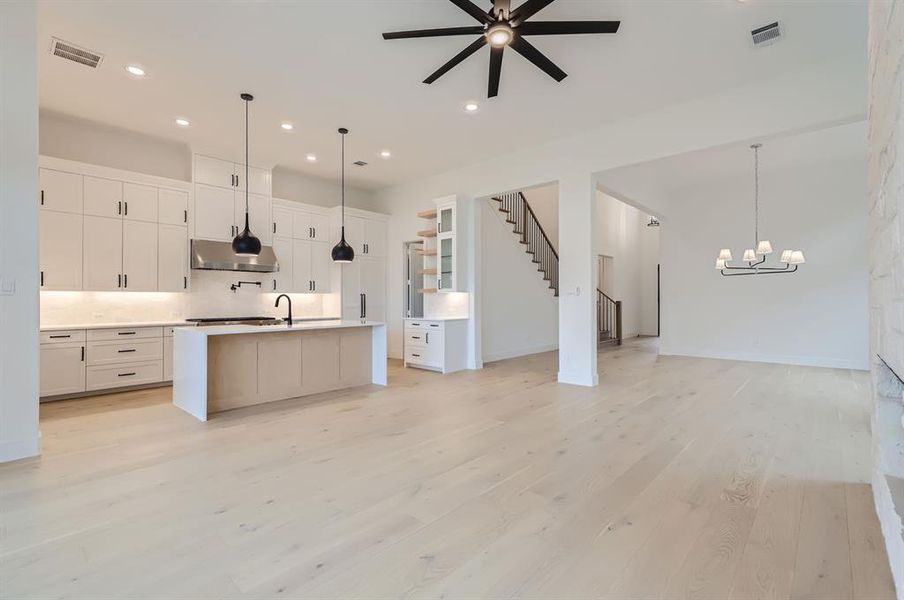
{"points": [[225, 367]]}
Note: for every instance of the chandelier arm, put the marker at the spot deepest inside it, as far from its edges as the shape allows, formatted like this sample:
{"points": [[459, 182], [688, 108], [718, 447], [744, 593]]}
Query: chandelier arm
{"points": [[749, 265], [768, 271]]}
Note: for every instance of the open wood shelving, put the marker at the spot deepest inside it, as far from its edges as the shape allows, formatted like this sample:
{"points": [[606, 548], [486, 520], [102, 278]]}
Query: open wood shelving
{"points": [[427, 214], [427, 233]]}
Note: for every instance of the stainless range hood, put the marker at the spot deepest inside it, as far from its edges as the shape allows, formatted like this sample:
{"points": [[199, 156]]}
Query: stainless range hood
{"points": [[218, 256]]}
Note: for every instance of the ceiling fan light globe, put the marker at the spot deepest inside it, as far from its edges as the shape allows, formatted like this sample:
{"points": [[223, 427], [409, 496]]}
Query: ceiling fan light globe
{"points": [[725, 254], [764, 247], [499, 35]]}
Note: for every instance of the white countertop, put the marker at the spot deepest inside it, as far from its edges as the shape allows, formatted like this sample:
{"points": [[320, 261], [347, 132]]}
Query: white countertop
{"points": [[210, 330], [115, 325], [436, 318]]}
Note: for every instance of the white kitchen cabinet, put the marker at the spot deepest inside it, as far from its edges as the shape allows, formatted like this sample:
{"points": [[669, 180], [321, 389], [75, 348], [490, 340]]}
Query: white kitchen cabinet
{"points": [[260, 179], [139, 202], [62, 368], [283, 279], [282, 223], [60, 242], [215, 172], [321, 265], [172, 258], [354, 233], [139, 256], [320, 227], [258, 216], [214, 217], [103, 197], [102, 255], [374, 238], [364, 289], [438, 345], [61, 191], [447, 249], [172, 207], [301, 266], [168, 358]]}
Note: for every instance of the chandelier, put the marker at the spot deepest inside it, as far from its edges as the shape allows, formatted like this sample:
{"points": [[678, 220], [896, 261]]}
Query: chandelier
{"points": [[755, 266]]}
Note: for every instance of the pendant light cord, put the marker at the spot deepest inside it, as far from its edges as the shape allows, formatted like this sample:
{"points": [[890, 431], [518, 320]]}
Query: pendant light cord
{"points": [[342, 168], [247, 169], [756, 195]]}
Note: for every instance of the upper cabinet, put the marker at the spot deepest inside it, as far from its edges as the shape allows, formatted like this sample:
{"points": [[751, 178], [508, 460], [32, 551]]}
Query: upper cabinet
{"points": [[446, 246], [228, 174], [300, 240], [103, 229], [366, 236], [61, 191]]}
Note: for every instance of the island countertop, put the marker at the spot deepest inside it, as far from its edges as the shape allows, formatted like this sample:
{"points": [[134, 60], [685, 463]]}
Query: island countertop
{"points": [[313, 325]]}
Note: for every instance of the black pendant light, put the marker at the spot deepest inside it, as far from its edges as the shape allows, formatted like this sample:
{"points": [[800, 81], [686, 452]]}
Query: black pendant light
{"points": [[245, 244], [342, 252]]}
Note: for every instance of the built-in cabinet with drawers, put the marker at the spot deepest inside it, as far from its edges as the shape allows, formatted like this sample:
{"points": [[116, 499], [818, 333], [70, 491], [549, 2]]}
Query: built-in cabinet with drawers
{"points": [[78, 360], [220, 200], [436, 344], [104, 232]]}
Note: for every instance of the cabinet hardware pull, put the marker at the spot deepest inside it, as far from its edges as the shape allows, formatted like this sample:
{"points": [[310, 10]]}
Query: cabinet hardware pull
{"points": [[125, 280], [427, 338], [124, 351], [274, 285], [126, 374], [236, 181], [125, 333], [185, 216], [310, 286], [417, 355], [119, 208], [364, 316], [57, 337], [314, 229], [119, 280], [184, 283], [434, 325], [127, 209], [315, 285], [83, 354], [42, 197], [42, 278], [415, 337], [274, 226], [310, 232]]}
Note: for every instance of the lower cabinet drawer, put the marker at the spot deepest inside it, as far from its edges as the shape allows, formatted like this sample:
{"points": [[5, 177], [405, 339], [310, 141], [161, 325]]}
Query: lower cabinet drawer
{"points": [[99, 378], [428, 357], [62, 337], [113, 353], [124, 333]]}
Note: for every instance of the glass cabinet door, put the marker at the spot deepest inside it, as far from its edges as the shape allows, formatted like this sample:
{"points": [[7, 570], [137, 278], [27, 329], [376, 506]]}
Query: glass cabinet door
{"points": [[444, 220], [446, 263]]}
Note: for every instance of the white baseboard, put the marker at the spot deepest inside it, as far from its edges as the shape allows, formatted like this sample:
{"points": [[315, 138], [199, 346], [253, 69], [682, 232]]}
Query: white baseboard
{"points": [[583, 378], [16, 449], [783, 359], [516, 352]]}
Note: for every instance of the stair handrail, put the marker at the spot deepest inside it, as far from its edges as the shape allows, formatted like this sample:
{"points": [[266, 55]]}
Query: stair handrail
{"points": [[539, 225], [605, 319]]}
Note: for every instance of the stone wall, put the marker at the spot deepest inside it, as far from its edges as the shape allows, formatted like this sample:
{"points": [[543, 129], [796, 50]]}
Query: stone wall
{"points": [[886, 183]]}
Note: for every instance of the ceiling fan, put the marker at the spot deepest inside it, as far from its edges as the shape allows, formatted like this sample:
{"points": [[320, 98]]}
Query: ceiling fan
{"points": [[500, 27]]}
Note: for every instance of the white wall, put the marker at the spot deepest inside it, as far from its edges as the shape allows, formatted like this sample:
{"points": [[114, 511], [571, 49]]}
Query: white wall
{"points": [[826, 93], [19, 358], [292, 185], [519, 311], [77, 139], [544, 201], [622, 234], [817, 316]]}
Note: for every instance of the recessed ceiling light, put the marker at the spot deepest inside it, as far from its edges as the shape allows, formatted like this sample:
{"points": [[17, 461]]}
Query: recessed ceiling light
{"points": [[311, 157], [471, 107], [135, 70], [385, 153], [287, 126], [183, 122]]}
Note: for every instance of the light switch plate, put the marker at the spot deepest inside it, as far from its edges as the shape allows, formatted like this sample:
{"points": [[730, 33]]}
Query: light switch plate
{"points": [[7, 286]]}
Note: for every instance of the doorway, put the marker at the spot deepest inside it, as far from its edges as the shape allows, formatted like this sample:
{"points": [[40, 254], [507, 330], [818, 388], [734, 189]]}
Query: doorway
{"points": [[414, 261]]}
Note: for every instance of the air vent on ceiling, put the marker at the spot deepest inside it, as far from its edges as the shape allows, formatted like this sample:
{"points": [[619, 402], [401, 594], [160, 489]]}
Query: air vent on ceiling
{"points": [[767, 34], [360, 163], [83, 56]]}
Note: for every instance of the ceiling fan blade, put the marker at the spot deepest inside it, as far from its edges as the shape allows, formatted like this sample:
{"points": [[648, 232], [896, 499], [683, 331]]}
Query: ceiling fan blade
{"points": [[421, 33], [473, 10], [503, 6], [495, 70], [528, 9], [525, 49], [567, 27], [474, 47]]}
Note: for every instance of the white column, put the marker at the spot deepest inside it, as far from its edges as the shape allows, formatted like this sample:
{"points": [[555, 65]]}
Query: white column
{"points": [[577, 300], [19, 355]]}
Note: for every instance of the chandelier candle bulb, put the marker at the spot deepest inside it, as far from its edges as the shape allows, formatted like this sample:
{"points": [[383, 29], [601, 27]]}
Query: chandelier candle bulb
{"points": [[725, 254], [749, 255], [764, 247]]}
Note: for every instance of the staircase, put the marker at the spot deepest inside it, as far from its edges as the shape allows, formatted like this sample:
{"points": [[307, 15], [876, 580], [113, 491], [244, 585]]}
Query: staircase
{"points": [[608, 319], [525, 224]]}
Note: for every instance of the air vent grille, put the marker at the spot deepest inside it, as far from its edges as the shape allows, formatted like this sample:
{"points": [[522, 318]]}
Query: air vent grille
{"points": [[83, 56], [767, 34], [360, 163]]}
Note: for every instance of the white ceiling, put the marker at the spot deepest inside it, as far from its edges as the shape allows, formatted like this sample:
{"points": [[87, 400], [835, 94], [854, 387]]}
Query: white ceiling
{"points": [[322, 64], [653, 184]]}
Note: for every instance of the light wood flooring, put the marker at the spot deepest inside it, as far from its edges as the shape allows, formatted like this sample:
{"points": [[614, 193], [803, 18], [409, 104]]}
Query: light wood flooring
{"points": [[675, 478]]}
